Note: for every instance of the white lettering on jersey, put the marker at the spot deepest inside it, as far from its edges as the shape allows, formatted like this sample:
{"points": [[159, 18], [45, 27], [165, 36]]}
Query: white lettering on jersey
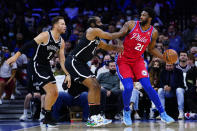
{"points": [[138, 37]]}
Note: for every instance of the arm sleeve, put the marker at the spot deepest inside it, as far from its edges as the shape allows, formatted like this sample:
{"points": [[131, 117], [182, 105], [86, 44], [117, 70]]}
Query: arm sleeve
{"points": [[27, 45]]}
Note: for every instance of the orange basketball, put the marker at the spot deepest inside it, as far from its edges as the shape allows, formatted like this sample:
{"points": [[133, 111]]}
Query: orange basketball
{"points": [[170, 56]]}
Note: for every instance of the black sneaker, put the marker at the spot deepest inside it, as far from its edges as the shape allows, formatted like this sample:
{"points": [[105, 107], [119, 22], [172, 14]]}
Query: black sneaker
{"points": [[48, 120], [49, 123]]}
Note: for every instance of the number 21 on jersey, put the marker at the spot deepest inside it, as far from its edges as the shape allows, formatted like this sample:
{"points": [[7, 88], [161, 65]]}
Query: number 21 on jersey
{"points": [[139, 47]]}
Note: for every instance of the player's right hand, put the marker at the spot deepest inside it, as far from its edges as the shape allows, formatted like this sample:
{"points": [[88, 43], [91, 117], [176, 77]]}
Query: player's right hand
{"points": [[11, 60]]}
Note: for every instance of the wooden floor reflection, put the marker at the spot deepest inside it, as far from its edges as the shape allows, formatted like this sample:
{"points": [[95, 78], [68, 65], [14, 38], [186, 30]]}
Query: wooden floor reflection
{"points": [[117, 126]]}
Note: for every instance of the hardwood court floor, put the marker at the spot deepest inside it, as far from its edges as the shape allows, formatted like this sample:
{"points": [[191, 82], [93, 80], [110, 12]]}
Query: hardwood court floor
{"points": [[115, 126]]}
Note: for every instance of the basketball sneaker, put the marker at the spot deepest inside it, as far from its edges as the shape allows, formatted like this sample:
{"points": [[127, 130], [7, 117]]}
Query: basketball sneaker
{"points": [[97, 120], [127, 117], [49, 121], [166, 118], [23, 118]]}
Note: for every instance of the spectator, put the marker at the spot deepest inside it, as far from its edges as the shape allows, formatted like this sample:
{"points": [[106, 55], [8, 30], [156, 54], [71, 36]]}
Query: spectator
{"points": [[77, 95], [134, 101], [191, 91], [110, 87], [171, 85], [154, 74], [72, 10], [182, 65], [190, 33], [7, 74], [28, 98], [21, 72], [175, 41], [105, 67]]}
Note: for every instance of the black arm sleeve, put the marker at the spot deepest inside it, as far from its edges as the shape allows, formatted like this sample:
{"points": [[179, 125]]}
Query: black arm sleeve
{"points": [[27, 45]]}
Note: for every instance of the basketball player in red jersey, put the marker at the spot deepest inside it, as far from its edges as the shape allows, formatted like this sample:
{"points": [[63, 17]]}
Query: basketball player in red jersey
{"points": [[131, 66]]}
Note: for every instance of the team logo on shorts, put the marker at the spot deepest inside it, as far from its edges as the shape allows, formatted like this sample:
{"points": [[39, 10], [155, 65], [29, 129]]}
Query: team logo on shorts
{"points": [[144, 72]]}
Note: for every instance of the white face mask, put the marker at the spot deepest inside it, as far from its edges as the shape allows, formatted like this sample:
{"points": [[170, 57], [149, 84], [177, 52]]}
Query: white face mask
{"points": [[196, 63], [122, 20], [118, 26], [89, 63]]}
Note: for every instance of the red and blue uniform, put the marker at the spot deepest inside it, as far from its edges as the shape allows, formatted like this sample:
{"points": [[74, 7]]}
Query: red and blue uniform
{"points": [[131, 63]]}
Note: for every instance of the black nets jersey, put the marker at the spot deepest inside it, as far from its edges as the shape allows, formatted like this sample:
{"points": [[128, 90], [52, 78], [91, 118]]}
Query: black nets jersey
{"points": [[85, 49], [45, 52]]}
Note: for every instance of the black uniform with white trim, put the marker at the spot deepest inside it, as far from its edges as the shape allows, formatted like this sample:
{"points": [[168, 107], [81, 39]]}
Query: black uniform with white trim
{"points": [[41, 69], [76, 62]]}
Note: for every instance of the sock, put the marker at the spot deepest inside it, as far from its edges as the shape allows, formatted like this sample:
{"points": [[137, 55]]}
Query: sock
{"points": [[126, 94], [94, 109], [152, 93], [25, 112], [48, 114]]}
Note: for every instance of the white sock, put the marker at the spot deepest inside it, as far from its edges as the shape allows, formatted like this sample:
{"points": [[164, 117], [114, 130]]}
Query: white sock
{"points": [[25, 112]]}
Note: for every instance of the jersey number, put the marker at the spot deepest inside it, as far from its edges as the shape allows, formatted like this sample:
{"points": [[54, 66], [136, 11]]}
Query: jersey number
{"points": [[50, 54], [139, 47]]}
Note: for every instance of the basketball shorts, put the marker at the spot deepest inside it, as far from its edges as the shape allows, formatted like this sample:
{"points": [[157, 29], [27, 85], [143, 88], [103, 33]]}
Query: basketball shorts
{"points": [[38, 76], [135, 70], [78, 70]]}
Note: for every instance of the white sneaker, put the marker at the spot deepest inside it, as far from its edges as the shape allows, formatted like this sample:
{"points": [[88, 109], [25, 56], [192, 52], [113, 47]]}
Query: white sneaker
{"points": [[1, 102], [41, 116], [136, 116], [12, 97], [23, 117], [181, 115], [97, 120], [118, 116]]}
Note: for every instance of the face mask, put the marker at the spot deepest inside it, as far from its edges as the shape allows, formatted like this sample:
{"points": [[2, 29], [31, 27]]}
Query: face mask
{"points": [[122, 20], [196, 63], [11, 34], [119, 26], [6, 55], [89, 63], [106, 62], [101, 56], [128, 18], [171, 33], [155, 68], [112, 71]]}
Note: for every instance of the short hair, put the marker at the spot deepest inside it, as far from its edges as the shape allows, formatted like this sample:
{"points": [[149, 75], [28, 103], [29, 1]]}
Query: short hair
{"points": [[150, 12], [91, 20], [183, 51], [56, 19]]}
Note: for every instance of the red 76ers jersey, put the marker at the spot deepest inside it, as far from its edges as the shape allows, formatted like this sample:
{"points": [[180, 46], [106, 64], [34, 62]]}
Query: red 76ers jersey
{"points": [[135, 43]]}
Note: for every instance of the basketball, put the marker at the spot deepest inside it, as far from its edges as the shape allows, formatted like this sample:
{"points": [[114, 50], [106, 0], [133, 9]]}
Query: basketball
{"points": [[170, 56]]}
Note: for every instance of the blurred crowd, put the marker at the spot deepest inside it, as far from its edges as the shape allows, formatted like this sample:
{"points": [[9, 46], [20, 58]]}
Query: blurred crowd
{"points": [[22, 20]]}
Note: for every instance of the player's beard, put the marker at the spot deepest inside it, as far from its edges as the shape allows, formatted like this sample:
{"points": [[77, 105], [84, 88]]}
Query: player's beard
{"points": [[102, 27], [143, 23]]}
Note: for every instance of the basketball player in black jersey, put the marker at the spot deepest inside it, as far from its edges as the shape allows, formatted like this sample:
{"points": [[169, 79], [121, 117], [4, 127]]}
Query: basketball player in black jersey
{"points": [[46, 45], [79, 70]]}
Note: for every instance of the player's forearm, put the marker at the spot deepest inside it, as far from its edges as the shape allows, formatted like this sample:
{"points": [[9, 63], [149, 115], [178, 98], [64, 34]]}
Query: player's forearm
{"points": [[62, 61], [116, 35], [156, 53], [17, 55]]}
